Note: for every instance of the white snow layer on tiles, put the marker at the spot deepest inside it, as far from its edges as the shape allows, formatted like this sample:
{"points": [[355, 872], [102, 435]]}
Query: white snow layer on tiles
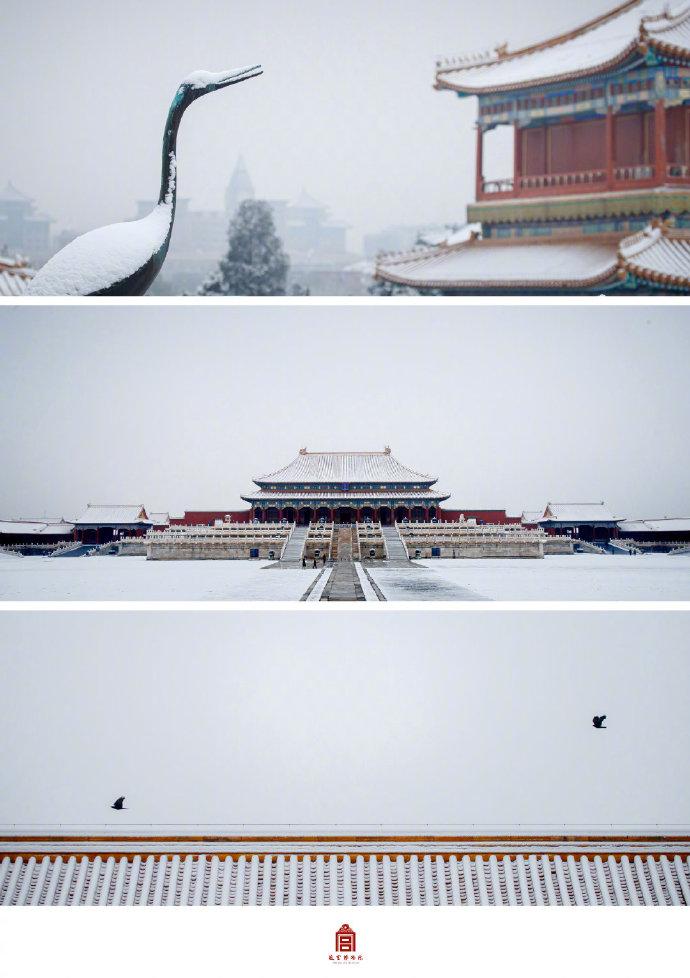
{"points": [[12, 284], [664, 524], [472, 721], [344, 467], [578, 513], [112, 514], [655, 252], [591, 49], [580, 577], [136, 579], [35, 527], [280, 880], [517, 262]]}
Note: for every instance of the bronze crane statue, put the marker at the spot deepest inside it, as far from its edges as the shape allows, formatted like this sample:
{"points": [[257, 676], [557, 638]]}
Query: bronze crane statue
{"points": [[125, 258]]}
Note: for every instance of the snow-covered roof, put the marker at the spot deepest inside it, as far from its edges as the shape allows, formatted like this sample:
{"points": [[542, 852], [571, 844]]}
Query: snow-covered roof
{"points": [[105, 515], [305, 201], [159, 519], [505, 264], [666, 524], [658, 254], [622, 34], [344, 467], [577, 513], [531, 515], [15, 276], [45, 527], [10, 194], [433, 237], [505, 872]]}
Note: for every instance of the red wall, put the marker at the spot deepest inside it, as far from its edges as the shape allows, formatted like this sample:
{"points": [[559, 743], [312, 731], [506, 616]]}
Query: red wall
{"points": [[487, 515], [206, 517]]}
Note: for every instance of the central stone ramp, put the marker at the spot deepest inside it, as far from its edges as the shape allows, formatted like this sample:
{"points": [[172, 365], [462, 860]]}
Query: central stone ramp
{"points": [[395, 548], [294, 548], [343, 584]]}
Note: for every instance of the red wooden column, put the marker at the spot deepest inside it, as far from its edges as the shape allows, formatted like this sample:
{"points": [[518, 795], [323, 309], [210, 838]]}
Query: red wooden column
{"points": [[660, 155], [480, 163], [517, 157], [609, 149]]}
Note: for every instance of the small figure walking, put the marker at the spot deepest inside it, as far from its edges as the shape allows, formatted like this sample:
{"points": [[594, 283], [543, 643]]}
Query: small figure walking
{"points": [[314, 564], [304, 561], [323, 559]]}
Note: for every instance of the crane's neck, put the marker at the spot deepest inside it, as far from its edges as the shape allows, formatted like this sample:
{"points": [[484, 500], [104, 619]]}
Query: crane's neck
{"points": [[168, 189]]}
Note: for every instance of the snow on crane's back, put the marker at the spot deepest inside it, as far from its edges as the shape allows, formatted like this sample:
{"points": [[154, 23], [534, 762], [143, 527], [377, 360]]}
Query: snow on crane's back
{"points": [[100, 258]]}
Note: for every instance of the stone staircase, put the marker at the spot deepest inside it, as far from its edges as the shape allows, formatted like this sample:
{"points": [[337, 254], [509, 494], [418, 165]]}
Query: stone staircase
{"points": [[78, 550], [585, 547], [395, 548], [294, 548]]}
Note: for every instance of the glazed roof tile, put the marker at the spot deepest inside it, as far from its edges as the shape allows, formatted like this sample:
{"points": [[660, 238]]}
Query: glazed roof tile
{"points": [[344, 467], [508, 264], [614, 872]]}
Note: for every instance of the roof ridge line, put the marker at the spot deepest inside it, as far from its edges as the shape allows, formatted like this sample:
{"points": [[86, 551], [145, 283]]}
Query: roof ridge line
{"points": [[502, 54]]}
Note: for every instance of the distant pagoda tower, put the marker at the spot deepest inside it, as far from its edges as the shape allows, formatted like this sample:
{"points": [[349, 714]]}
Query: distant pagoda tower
{"points": [[239, 188], [598, 197]]}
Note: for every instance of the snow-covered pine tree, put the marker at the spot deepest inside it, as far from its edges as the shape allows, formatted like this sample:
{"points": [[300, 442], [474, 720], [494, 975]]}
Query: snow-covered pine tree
{"points": [[255, 263]]}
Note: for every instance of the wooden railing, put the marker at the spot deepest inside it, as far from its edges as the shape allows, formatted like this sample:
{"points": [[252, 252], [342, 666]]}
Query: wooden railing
{"points": [[505, 186], [546, 180], [633, 172]]}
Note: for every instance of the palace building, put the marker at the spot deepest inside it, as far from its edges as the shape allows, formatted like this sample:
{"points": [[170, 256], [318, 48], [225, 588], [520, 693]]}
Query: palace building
{"points": [[345, 487], [597, 197]]}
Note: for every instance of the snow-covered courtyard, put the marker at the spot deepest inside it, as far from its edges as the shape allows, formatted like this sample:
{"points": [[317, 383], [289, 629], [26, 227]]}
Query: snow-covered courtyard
{"points": [[136, 579], [581, 577]]}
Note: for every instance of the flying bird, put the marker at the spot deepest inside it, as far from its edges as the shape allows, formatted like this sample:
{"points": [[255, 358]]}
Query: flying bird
{"points": [[119, 803], [599, 722], [124, 259]]}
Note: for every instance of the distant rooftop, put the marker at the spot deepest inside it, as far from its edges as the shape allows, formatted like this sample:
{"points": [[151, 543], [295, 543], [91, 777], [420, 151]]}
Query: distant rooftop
{"points": [[577, 513], [113, 514], [10, 193]]}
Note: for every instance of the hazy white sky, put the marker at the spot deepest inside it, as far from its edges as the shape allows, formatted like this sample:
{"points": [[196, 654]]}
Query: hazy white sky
{"points": [[508, 406], [400, 719], [346, 107]]}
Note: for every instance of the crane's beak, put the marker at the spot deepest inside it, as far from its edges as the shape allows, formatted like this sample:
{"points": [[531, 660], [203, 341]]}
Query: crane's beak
{"points": [[201, 82]]}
